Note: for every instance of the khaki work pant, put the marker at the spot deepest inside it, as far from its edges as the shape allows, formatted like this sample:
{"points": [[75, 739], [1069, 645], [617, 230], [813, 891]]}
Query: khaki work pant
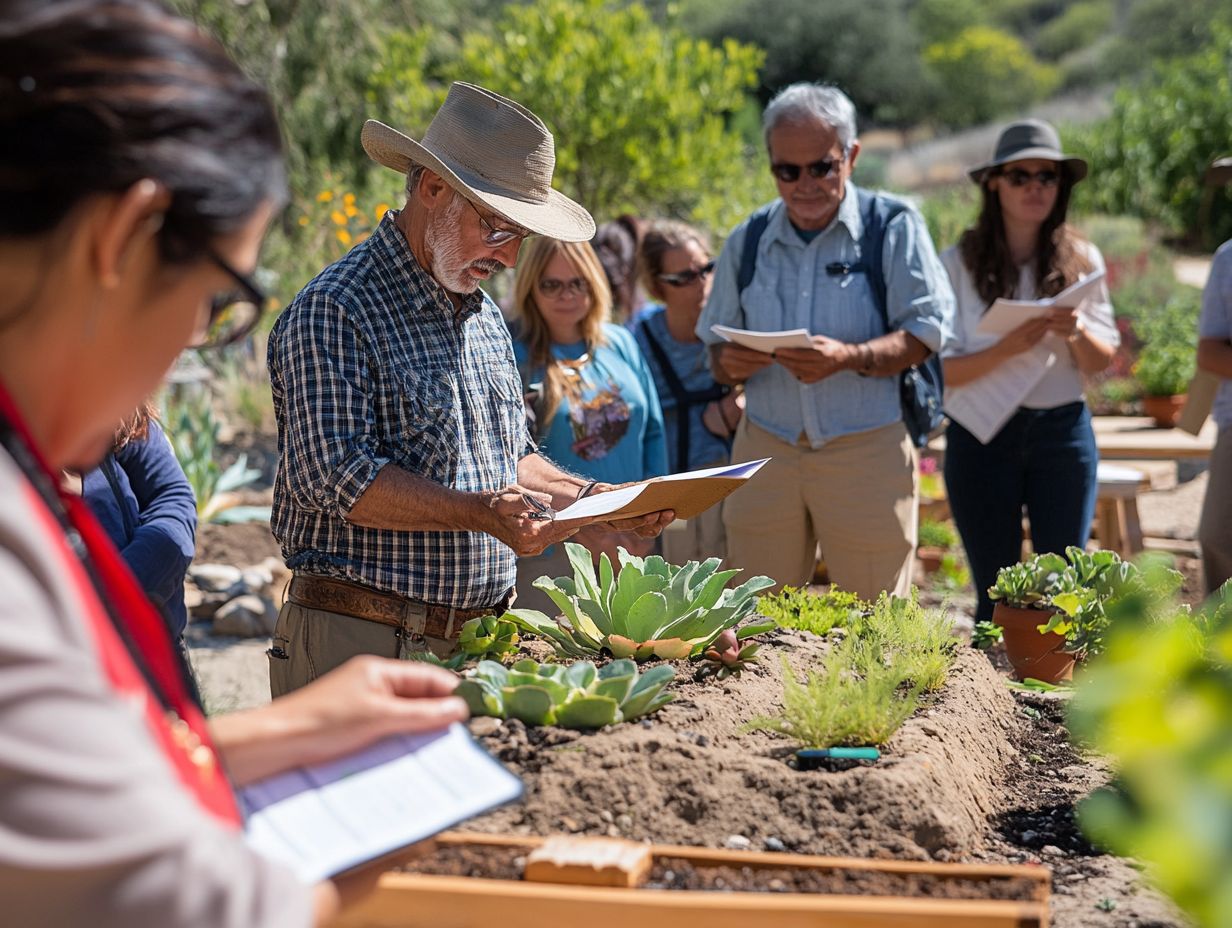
{"points": [[1215, 527], [856, 498], [697, 539], [309, 643]]}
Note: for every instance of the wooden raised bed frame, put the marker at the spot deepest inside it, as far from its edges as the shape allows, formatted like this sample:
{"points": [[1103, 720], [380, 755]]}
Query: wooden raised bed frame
{"points": [[407, 900]]}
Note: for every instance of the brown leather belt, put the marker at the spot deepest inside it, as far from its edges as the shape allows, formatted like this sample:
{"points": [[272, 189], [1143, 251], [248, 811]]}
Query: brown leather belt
{"points": [[363, 602]]}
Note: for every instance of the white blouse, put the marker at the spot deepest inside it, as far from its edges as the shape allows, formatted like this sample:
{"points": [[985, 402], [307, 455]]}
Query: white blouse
{"points": [[1063, 382]]}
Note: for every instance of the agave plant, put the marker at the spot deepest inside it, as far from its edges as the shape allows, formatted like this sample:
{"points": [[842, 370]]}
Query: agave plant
{"points": [[573, 696], [649, 609]]}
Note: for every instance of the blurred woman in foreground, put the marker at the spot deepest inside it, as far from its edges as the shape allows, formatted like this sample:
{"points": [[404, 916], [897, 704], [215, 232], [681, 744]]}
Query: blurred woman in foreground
{"points": [[138, 171]]}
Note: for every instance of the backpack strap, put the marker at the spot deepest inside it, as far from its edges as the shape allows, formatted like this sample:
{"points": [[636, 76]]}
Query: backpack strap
{"points": [[685, 399], [876, 212], [753, 232]]}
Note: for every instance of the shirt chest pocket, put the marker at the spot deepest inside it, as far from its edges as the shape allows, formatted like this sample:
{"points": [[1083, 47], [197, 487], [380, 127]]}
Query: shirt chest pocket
{"points": [[427, 424]]}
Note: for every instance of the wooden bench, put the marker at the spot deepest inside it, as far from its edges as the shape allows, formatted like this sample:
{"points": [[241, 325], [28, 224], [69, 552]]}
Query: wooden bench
{"points": [[1116, 508]]}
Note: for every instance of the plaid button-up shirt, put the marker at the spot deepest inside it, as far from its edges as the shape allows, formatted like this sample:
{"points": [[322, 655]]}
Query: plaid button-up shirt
{"points": [[371, 364]]}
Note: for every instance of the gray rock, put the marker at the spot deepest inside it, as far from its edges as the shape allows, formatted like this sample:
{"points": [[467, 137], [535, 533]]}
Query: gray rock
{"points": [[774, 844], [257, 579], [246, 616], [217, 578], [737, 843]]}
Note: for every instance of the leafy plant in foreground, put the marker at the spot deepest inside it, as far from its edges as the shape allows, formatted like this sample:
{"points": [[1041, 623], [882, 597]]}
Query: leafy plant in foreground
{"points": [[1159, 702], [648, 609], [486, 636], [573, 696], [812, 612]]}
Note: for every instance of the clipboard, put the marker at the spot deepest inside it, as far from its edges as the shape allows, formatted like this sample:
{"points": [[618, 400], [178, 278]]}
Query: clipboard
{"points": [[688, 495]]}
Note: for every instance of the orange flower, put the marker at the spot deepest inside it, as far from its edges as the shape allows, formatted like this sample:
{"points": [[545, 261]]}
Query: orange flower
{"points": [[339, 219], [344, 236], [381, 210], [325, 196]]}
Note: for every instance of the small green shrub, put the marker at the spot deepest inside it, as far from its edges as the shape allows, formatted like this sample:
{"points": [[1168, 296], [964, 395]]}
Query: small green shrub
{"points": [[811, 612], [577, 696], [934, 534], [1169, 337], [873, 679], [836, 707]]}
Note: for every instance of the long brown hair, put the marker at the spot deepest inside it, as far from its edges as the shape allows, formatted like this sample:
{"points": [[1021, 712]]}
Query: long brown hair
{"points": [[985, 251], [533, 328]]}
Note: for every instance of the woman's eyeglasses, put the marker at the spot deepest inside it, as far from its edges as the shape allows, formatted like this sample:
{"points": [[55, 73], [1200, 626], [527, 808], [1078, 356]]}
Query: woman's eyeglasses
{"points": [[234, 313], [1017, 177], [554, 289], [684, 278], [494, 236], [790, 173]]}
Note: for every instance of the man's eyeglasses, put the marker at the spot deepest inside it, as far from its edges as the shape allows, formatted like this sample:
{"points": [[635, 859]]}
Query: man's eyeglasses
{"points": [[553, 288], [684, 278], [1017, 177], [493, 236], [234, 313], [790, 173]]}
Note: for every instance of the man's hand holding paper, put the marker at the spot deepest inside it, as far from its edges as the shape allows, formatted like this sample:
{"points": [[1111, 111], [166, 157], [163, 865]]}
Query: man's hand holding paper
{"points": [[827, 356]]}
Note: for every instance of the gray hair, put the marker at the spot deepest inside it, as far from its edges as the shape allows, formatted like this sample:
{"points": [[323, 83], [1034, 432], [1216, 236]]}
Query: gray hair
{"points": [[805, 102], [412, 180]]}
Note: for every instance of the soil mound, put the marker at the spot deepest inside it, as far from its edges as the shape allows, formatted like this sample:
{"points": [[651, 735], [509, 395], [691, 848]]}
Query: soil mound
{"points": [[692, 775]]}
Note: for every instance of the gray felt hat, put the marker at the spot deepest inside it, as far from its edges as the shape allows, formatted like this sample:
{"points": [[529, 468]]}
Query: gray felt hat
{"points": [[491, 150], [1030, 138]]}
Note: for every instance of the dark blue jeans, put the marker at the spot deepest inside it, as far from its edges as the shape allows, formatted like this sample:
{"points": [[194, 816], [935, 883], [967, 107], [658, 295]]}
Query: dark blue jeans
{"points": [[1042, 459]]}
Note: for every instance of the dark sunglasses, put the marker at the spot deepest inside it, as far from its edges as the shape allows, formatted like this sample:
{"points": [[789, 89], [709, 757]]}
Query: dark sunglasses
{"points": [[684, 278], [790, 173], [233, 313], [1017, 177]]}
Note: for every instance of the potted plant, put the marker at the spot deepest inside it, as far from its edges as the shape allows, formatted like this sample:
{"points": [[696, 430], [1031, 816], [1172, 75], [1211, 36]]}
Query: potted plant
{"points": [[1168, 358], [1023, 597], [934, 540], [1065, 606]]}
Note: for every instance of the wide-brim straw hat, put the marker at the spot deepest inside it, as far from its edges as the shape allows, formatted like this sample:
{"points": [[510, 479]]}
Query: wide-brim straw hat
{"points": [[491, 150], [1030, 138]]}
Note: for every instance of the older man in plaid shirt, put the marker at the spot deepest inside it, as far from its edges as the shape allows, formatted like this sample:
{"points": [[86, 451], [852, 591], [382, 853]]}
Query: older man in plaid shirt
{"points": [[405, 463]]}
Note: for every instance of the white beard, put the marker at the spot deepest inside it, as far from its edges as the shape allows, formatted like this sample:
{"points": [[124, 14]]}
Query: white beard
{"points": [[444, 241]]}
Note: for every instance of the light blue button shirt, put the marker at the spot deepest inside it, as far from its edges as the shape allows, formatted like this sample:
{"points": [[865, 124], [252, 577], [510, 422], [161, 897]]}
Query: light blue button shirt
{"points": [[791, 289], [1216, 322]]}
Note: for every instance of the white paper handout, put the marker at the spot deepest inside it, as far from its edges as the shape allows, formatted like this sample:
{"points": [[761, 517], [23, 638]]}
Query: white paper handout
{"points": [[1006, 315], [985, 405], [769, 342], [325, 819], [687, 494]]}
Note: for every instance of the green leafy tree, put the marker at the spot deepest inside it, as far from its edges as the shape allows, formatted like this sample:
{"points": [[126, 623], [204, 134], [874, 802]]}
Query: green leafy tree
{"points": [[1157, 30], [867, 47], [1080, 25], [639, 110], [1150, 154], [983, 73]]}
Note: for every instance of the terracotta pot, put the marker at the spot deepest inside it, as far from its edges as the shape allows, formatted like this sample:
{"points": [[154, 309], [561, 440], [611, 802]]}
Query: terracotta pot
{"points": [[936, 509], [930, 558], [1165, 410], [1032, 654]]}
